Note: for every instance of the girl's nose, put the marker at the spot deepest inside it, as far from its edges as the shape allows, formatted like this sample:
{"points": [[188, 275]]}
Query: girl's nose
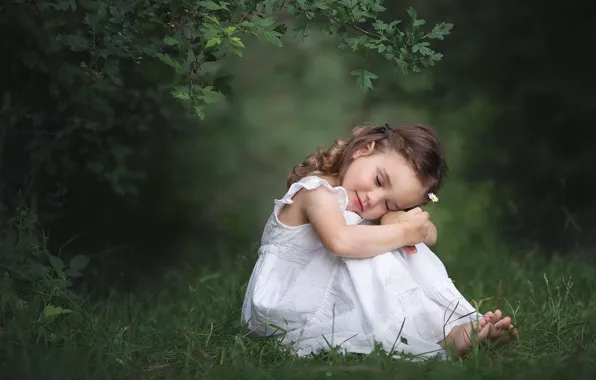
{"points": [[373, 198]]}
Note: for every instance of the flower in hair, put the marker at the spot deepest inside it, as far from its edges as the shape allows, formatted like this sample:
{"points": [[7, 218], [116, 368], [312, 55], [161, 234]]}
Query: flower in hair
{"points": [[433, 198]]}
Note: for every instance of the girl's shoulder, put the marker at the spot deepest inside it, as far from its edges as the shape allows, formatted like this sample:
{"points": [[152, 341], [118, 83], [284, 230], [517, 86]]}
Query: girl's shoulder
{"points": [[312, 183], [293, 221]]}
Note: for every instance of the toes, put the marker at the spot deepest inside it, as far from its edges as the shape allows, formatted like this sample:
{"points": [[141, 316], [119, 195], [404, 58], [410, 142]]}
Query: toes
{"points": [[514, 333], [497, 329], [495, 316], [410, 249], [504, 333], [485, 332], [503, 324], [490, 315], [500, 328], [495, 333]]}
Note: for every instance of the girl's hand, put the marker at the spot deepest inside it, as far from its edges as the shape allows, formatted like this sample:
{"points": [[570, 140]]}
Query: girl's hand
{"points": [[319, 206], [403, 216], [416, 225], [410, 249], [410, 215], [393, 217]]}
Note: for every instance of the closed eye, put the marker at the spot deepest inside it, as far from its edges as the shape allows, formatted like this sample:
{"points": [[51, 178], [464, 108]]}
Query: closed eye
{"points": [[380, 184]]}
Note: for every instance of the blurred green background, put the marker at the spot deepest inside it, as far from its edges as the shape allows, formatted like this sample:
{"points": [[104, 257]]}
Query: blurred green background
{"points": [[154, 196], [511, 100]]}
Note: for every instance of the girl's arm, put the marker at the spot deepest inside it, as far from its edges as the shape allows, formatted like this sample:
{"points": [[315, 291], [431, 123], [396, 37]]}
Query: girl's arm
{"points": [[356, 241], [395, 216]]}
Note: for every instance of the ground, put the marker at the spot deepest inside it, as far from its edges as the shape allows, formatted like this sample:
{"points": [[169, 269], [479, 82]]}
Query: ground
{"points": [[188, 327]]}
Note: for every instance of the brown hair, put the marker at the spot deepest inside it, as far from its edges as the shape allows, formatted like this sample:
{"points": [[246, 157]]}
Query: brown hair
{"points": [[417, 143]]}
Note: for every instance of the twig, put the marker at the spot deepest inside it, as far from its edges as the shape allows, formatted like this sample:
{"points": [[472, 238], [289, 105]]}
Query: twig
{"points": [[364, 31]]}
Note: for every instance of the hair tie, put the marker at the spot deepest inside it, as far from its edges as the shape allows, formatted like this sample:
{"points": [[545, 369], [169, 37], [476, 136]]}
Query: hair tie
{"points": [[384, 129]]}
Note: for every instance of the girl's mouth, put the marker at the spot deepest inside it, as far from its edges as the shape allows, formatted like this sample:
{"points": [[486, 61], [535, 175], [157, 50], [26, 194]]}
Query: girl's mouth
{"points": [[359, 202]]}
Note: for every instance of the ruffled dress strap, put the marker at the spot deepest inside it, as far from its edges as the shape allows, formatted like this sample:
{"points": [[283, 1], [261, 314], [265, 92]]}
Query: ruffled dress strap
{"points": [[311, 183]]}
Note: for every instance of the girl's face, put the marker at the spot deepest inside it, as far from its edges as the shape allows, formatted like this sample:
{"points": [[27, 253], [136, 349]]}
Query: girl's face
{"points": [[377, 183]]}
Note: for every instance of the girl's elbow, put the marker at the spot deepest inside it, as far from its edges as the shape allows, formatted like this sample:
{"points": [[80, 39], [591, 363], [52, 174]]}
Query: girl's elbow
{"points": [[337, 245], [431, 241], [431, 238], [392, 217], [336, 249]]}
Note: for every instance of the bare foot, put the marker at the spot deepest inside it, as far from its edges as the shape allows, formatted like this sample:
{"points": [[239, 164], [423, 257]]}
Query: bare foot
{"points": [[491, 327], [504, 331], [462, 337]]}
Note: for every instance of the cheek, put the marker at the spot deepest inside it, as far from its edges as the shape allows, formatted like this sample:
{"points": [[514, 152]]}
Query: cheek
{"points": [[357, 172], [411, 198], [376, 212]]}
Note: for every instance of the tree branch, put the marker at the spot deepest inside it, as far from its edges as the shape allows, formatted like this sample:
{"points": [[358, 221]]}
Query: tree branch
{"points": [[364, 31]]}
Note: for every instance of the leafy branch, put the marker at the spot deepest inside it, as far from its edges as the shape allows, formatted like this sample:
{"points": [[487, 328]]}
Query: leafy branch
{"points": [[194, 33]]}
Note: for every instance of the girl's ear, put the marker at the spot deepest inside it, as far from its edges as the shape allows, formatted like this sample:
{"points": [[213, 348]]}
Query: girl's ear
{"points": [[365, 150]]}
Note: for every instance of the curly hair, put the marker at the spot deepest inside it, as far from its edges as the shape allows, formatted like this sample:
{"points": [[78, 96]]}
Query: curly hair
{"points": [[417, 143]]}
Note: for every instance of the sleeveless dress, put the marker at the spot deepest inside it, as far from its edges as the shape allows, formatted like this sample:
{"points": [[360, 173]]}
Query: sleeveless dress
{"points": [[312, 300]]}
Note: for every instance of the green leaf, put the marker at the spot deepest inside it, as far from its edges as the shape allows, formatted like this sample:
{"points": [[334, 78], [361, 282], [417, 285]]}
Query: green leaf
{"points": [[263, 22], [394, 23], [73, 273], [208, 95], [354, 42], [199, 110], [51, 311], [364, 79], [349, 3], [402, 66], [171, 62], [74, 42], [251, 27], [236, 42], [419, 22], [412, 12], [79, 262], [213, 42], [214, 19], [378, 8], [229, 30], [170, 41], [212, 6], [441, 30], [235, 45], [273, 37], [380, 25], [65, 4], [56, 263], [35, 271], [436, 56], [422, 48], [181, 92]]}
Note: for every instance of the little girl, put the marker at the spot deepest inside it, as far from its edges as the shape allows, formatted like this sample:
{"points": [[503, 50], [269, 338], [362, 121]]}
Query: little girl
{"points": [[341, 264]]}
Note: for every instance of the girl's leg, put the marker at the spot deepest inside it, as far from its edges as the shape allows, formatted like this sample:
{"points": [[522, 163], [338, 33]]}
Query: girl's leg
{"points": [[428, 270]]}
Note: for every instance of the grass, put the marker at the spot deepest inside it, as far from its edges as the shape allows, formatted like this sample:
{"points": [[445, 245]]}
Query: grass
{"points": [[188, 327]]}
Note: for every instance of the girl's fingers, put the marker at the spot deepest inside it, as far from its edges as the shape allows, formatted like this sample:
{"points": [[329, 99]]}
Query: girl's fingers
{"points": [[410, 249]]}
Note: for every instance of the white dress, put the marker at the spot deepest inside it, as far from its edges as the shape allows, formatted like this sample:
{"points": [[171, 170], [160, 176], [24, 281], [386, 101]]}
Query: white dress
{"points": [[311, 299]]}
